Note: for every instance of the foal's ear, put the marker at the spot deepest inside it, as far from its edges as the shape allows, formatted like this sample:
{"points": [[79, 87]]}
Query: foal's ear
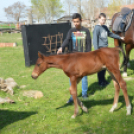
{"points": [[40, 55]]}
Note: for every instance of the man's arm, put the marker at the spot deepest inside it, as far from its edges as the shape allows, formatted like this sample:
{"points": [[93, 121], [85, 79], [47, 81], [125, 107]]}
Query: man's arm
{"points": [[96, 38], [112, 35], [88, 42], [66, 42]]}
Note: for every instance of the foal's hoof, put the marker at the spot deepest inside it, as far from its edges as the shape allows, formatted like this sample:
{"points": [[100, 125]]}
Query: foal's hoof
{"points": [[124, 74], [129, 110], [73, 116], [111, 110], [85, 109]]}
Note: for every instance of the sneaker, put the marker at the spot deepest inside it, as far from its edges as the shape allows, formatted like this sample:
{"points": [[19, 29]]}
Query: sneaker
{"points": [[106, 83], [70, 100], [103, 84], [85, 96]]}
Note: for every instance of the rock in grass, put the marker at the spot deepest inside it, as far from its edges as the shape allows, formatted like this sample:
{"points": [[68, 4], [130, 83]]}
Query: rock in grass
{"points": [[8, 85], [12, 84], [33, 93], [22, 86], [2, 81], [3, 86], [8, 80], [6, 100], [9, 90]]}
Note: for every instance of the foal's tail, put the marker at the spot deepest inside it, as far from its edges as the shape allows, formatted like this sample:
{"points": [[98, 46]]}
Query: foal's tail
{"points": [[119, 48]]}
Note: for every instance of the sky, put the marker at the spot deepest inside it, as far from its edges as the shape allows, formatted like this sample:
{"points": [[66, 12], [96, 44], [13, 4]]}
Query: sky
{"points": [[6, 3]]}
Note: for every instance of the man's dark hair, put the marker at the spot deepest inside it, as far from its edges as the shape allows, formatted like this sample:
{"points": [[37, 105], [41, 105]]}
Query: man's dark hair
{"points": [[76, 15], [102, 15]]}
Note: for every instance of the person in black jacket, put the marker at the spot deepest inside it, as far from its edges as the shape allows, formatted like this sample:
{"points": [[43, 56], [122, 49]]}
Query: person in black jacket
{"points": [[80, 39], [100, 39]]}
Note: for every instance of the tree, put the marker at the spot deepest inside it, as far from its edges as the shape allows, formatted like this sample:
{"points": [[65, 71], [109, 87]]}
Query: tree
{"points": [[90, 9], [15, 11], [36, 8], [69, 6], [48, 9], [101, 5], [129, 2], [114, 6], [30, 15]]}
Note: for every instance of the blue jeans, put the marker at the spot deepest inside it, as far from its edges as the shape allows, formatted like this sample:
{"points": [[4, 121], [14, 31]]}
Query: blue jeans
{"points": [[84, 85]]}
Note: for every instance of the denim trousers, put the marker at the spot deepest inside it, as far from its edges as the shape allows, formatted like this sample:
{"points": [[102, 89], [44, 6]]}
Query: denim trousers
{"points": [[84, 85]]}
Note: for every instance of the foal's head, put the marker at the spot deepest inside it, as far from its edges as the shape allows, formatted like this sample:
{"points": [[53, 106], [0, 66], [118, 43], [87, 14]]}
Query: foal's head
{"points": [[40, 66]]}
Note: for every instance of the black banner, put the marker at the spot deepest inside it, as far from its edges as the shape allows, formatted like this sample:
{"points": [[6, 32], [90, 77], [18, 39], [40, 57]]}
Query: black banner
{"points": [[46, 38]]}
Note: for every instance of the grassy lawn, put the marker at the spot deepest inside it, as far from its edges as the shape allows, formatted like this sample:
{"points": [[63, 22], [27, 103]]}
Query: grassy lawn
{"points": [[50, 114], [7, 26]]}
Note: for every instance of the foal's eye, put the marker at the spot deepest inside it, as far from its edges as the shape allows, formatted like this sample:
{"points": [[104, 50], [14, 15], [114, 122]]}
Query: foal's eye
{"points": [[38, 65]]}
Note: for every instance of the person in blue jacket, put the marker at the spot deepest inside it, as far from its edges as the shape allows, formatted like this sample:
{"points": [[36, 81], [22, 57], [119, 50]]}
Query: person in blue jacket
{"points": [[100, 39]]}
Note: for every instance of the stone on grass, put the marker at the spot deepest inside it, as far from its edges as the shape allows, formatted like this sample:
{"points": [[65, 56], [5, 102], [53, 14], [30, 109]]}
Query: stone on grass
{"points": [[2, 80], [3, 86], [22, 86], [6, 100], [7, 85], [33, 93], [8, 80], [10, 90], [12, 84]]}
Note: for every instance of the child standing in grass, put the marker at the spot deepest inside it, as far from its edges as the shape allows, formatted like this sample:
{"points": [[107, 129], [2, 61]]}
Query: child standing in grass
{"points": [[100, 39]]}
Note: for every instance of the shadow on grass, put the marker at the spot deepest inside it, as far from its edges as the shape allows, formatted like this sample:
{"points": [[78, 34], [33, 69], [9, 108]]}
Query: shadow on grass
{"points": [[131, 65], [7, 117], [91, 90], [92, 103], [93, 87]]}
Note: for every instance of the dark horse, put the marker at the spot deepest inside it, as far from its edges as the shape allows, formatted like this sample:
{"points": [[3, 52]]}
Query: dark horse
{"points": [[128, 40], [77, 65]]}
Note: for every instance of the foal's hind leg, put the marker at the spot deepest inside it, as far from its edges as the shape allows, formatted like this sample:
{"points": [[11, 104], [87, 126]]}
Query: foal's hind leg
{"points": [[117, 90], [79, 102], [120, 83], [116, 96]]}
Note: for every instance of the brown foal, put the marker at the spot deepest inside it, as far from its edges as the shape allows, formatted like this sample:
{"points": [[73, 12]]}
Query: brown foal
{"points": [[77, 65]]}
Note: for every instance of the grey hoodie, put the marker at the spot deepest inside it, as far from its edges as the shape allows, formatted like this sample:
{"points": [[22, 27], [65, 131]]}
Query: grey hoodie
{"points": [[100, 36]]}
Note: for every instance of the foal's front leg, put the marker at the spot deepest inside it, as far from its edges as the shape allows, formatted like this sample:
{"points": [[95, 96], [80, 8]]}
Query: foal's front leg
{"points": [[73, 92], [120, 83]]}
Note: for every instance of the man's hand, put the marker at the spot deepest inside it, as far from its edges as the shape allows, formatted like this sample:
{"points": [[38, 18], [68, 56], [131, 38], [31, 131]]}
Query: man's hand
{"points": [[59, 50], [122, 38]]}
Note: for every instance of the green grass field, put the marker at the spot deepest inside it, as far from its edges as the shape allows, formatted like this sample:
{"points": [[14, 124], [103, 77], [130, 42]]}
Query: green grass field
{"points": [[3, 26], [50, 114]]}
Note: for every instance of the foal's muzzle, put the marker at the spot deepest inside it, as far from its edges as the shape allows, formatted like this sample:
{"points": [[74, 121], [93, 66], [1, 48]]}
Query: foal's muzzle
{"points": [[34, 76]]}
